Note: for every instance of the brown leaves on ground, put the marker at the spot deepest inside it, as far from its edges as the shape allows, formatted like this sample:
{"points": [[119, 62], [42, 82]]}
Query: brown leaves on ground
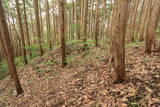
{"points": [[86, 81]]}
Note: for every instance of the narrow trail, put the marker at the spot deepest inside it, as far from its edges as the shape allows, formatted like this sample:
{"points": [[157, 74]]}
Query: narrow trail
{"points": [[86, 81]]}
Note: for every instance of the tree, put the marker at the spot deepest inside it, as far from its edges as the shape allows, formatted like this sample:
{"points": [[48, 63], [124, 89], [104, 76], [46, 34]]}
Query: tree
{"points": [[62, 30], [84, 21], [21, 32], [36, 7], [118, 39], [97, 23], [26, 26], [48, 24], [152, 25], [8, 50]]}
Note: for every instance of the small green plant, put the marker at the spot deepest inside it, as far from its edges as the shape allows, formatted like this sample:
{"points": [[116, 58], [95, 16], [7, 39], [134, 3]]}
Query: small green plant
{"points": [[133, 104], [70, 58], [133, 100], [132, 44], [50, 62], [97, 57], [3, 69], [55, 74], [38, 71], [34, 50], [73, 42], [90, 42], [145, 60], [19, 61]]}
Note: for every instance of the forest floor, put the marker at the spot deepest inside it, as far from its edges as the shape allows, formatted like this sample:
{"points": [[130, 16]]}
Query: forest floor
{"points": [[86, 81]]}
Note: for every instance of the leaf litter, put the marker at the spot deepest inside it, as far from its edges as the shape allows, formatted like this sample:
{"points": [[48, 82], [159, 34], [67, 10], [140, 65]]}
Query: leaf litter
{"points": [[86, 81]]}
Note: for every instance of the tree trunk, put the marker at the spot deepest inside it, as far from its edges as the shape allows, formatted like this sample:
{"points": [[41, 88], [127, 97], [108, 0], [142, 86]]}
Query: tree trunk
{"points": [[153, 22], [118, 39], [26, 25], [62, 30], [97, 24], [8, 50], [84, 27], [36, 4], [21, 32], [48, 24]]}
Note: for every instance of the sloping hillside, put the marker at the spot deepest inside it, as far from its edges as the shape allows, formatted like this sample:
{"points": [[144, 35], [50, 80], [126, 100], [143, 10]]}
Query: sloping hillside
{"points": [[86, 81]]}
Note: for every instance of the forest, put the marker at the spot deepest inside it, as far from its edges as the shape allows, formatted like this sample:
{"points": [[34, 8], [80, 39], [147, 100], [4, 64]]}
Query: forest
{"points": [[79, 53]]}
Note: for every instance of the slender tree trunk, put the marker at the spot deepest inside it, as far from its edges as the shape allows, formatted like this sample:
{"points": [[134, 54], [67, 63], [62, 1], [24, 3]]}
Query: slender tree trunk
{"points": [[140, 18], [26, 24], [8, 50], [36, 4], [97, 24], [41, 20], [62, 30], [48, 24], [21, 32], [84, 27], [153, 22], [144, 19]]}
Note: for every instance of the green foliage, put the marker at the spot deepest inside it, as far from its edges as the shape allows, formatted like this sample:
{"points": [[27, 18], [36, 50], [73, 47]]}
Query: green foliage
{"points": [[133, 104], [50, 62], [158, 30], [34, 49], [73, 42], [145, 60], [19, 61], [133, 100], [3, 69], [45, 46], [38, 71], [90, 42], [70, 58], [132, 44]]}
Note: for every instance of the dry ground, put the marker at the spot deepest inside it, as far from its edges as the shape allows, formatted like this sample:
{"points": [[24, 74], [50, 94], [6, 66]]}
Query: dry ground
{"points": [[86, 81]]}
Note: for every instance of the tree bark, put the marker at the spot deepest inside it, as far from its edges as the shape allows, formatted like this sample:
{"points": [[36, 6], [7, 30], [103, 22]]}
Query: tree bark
{"points": [[8, 50], [97, 24], [62, 30], [21, 32], [118, 39], [152, 25], [26, 26], [48, 24], [36, 4]]}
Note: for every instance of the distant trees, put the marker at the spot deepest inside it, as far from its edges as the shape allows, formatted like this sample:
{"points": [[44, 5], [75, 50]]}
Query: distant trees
{"points": [[118, 38], [84, 20], [61, 6], [26, 26], [38, 29], [8, 50], [152, 25], [21, 32], [52, 23], [48, 24], [97, 23]]}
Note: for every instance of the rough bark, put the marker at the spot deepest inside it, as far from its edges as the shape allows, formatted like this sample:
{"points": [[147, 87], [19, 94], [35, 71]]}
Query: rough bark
{"points": [[62, 30], [118, 39]]}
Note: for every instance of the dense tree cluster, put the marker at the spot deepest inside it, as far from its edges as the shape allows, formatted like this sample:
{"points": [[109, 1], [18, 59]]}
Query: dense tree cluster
{"points": [[29, 27]]}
